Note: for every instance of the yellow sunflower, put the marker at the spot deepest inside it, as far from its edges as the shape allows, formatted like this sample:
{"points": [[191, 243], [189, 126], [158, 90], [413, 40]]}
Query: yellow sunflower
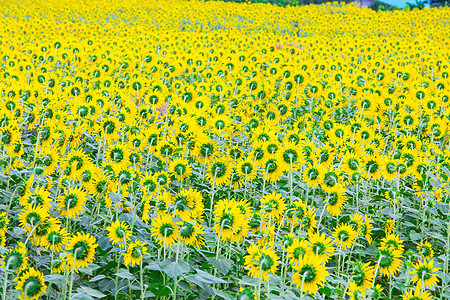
{"points": [[274, 205], [134, 254], [81, 250], [71, 202], [309, 274], [261, 262], [345, 235], [31, 284], [321, 246], [425, 274], [164, 230], [180, 168], [118, 233]]}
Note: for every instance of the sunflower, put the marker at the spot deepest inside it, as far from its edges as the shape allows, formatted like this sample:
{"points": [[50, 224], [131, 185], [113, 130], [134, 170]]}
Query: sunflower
{"points": [[389, 260], [296, 212], [417, 294], [118, 233], [81, 250], [219, 172], [309, 220], [366, 228], [72, 202], [118, 156], [272, 168], [180, 169], [274, 205], [322, 248], [297, 250], [310, 274], [134, 254], [425, 250], [30, 218], [362, 275], [40, 197], [345, 235], [15, 258], [247, 169], [228, 218], [55, 238], [188, 203], [392, 240], [164, 230], [191, 233], [335, 200], [261, 261], [290, 156], [31, 284], [2, 238], [425, 274], [4, 220]]}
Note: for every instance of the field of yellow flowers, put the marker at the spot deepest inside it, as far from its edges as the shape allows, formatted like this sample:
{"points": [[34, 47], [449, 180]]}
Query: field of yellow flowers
{"points": [[210, 150]]}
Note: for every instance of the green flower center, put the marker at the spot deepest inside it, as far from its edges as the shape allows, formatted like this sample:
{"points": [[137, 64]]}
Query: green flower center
{"points": [[308, 273], [32, 286]]}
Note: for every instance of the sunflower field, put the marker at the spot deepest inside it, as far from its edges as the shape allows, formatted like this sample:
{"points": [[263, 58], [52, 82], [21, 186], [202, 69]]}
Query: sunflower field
{"points": [[215, 150]]}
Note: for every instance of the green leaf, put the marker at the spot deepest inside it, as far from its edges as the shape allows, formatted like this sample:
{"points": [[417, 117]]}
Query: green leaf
{"points": [[173, 269], [91, 292], [203, 278], [89, 269], [125, 275], [415, 236], [57, 279], [222, 265], [223, 295], [115, 198], [97, 278]]}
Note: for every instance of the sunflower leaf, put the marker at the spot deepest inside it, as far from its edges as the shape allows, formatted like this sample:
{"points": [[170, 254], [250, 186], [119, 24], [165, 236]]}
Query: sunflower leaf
{"points": [[173, 269]]}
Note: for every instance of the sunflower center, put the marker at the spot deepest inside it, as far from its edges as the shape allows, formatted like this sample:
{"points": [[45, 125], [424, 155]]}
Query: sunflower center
{"points": [[136, 253], [424, 273], [36, 200], [55, 237], [313, 174], [226, 220], [13, 260], [71, 201], [265, 262], [206, 150], [186, 230], [32, 286], [166, 230], [358, 277], [333, 199], [318, 248], [117, 155], [386, 259], [219, 169], [80, 250], [353, 164], [290, 156], [33, 219], [180, 169], [298, 252], [247, 168], [120, 232], [181, 203], [372, 166], [271, 165], [271, 205], [308, 273], [343, 236], [331, 179]]}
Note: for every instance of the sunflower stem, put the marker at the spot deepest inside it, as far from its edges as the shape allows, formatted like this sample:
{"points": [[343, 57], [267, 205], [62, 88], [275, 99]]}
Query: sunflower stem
{"points": [[5, 280]]}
